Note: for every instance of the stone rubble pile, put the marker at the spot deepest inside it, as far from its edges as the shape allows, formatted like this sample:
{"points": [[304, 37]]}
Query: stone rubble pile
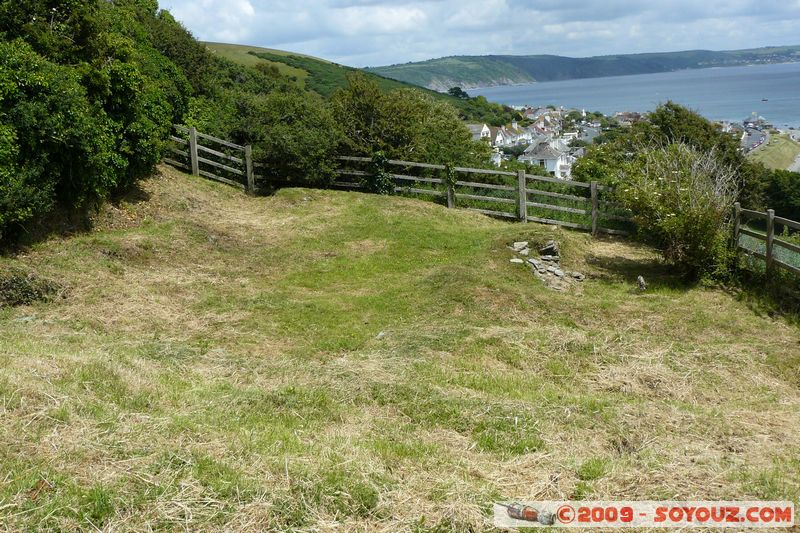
{"points": [[548, 265]]}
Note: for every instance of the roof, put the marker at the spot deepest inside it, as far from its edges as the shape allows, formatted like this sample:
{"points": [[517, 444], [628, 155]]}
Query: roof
{"points": [[542, 151]]}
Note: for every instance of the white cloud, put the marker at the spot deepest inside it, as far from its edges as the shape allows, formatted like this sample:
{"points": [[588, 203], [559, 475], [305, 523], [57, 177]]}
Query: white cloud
{"points": [[377, 32], [216, 20]]}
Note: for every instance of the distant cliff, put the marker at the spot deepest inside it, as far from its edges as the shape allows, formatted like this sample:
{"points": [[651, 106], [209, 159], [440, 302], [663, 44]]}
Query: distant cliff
{"points": [[484, 71]]}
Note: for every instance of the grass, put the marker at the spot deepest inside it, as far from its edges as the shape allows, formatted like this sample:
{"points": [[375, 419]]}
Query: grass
{"points": [[331, 360], [239, 53], [779, 154]]}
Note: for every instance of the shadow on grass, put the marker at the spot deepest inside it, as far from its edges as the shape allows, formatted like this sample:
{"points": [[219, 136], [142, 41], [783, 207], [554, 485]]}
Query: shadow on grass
{"points": [[620, 269], [63, 221], [777, 296]]}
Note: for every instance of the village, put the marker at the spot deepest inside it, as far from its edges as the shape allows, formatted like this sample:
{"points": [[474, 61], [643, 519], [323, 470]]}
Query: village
{"points": [[549, 137], [555, 138]]}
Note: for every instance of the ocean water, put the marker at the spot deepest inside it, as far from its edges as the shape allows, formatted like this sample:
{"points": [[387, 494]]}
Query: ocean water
{"points": [[730, 93]]}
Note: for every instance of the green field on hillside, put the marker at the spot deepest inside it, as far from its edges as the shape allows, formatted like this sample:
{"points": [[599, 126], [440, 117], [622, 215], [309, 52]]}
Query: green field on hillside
{"points": [[325, 77], [319, 75], [778, 154], [241, 54], [331, 360]]}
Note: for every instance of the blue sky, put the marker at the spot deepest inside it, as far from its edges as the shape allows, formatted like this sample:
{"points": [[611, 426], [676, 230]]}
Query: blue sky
{"points": [[378, 32]]}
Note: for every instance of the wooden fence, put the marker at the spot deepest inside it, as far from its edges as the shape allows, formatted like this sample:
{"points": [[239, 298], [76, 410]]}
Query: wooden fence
{"points": [[774, 251], [515, 197], [213, 158]]}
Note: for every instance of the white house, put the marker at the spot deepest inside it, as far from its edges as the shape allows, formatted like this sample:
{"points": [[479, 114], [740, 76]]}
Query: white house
{"points": [[479, 131], [557, 162]]}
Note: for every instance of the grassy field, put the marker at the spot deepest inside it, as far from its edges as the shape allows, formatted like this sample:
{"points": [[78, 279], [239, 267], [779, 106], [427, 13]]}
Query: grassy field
{"points": [[778, 154], [239, 53], [321, 360], [316, 74]]}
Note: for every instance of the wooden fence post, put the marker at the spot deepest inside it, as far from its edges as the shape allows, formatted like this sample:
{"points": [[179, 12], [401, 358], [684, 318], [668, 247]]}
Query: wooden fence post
{"points": [[193, 151], [449, 185], [595, 206], [248, 163], [770, 238], [737, 220], [451, 195], [522, 208]]}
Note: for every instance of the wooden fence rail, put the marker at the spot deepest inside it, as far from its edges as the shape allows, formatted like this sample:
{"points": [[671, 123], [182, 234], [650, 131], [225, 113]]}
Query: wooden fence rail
{"points": [[520, 199], [211, 157], [774, 248], [465, 194]]}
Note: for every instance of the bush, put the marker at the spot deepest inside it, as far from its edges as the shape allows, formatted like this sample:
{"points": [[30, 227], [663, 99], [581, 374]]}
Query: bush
{"points": [[404, 124], [293, 134], [18, 288], [682, 200], [52, 141]]}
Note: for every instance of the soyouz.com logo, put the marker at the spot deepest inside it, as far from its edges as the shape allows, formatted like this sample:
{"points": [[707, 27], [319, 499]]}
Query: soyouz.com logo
{"points": [[629, 514]]}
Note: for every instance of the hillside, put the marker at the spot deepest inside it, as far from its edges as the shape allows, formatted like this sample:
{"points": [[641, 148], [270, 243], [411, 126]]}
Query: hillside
{"points": [[315, 74], [320, 360], [324, 77], [779, 153], [482, 71]]}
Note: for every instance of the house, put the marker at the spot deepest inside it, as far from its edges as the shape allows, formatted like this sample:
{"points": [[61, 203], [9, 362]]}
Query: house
{"points": [[628, 118], [497, 136], [479, 131], [555, 161]]}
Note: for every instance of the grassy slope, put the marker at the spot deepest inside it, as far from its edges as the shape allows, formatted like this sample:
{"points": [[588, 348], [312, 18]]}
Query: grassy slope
{"points": [[778, 154], [325, 77], [447, 72], [322, 358], [241, 54], [317, 74]]}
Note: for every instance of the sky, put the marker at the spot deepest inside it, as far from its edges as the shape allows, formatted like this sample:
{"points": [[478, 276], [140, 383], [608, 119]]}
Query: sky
{"points": [[379, 32]]}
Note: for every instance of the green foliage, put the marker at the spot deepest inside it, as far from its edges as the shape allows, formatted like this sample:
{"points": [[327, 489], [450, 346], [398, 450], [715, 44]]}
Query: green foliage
{"points": [[403, 124], [379, 180], [53, 141], [681, 200], [86, 103], [458, 92], [783, 194], [293, 134]]}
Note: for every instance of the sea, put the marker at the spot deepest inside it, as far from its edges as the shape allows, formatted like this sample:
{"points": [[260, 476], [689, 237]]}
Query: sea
{"points": [[725, 94]]}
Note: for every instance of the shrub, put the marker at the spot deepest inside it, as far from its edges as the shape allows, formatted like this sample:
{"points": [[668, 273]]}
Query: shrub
{"points": [[52, 140], [682, 201], [404, 124], [18, 288], [293, 134]]}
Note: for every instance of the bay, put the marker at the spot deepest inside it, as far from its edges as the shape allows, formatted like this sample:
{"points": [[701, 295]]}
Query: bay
{"points": [[729, 93]]}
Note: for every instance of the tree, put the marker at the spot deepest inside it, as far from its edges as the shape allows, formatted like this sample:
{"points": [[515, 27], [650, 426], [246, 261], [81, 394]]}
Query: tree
{"points": [[458, 92], [293, 134], [403, 124], [783, 194], [54, 144]]}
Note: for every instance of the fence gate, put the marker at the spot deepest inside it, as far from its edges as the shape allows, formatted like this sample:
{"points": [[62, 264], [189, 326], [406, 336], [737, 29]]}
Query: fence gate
{"points": [[211, 157]]}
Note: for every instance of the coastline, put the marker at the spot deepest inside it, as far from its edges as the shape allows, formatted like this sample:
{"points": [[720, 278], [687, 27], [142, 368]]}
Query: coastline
{"points": [[714, 67], [725, 94]]}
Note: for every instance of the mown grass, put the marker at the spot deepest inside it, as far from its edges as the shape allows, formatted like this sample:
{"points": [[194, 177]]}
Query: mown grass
{"points": [[778, 154], [322, 360]]}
